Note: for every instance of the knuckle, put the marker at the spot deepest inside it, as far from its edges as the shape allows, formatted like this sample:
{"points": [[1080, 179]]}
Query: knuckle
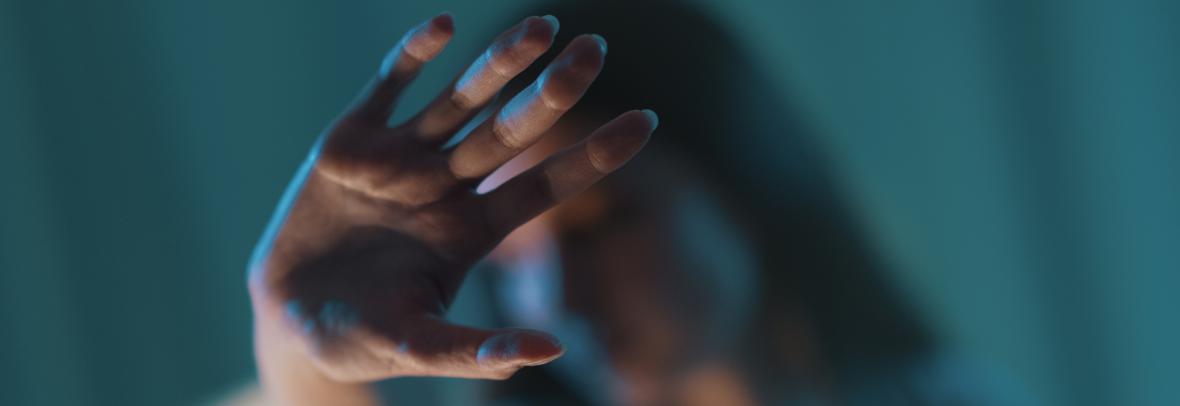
{"points": [[514, 53], [554, 96], [505, 136], [537, 34], [463, 101], [509, 61], [600, 159]]}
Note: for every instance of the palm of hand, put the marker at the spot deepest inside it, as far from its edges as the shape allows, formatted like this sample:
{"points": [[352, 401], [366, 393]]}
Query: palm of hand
{"points": [[384, 223]]}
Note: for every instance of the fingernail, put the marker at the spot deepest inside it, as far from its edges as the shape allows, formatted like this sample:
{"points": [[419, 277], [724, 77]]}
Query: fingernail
{"points": [[444, 21], [541, 361], [601, 42], [552, 20], [651, 116], [521, 348]]}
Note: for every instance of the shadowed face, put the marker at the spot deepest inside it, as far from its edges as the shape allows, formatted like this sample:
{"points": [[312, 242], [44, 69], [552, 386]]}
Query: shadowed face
{"points": [[653, 261]]}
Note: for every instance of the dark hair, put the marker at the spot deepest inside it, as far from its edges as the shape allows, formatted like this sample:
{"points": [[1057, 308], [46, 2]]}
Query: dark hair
{"points": [[720, 113]]}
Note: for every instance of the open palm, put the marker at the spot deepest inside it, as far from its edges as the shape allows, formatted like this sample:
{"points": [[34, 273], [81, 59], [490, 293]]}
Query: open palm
{"points": [[381, 225]]}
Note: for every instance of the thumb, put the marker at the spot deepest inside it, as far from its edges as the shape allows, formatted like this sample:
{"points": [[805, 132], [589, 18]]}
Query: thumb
{"points": [[460, 351], [519, 348]]}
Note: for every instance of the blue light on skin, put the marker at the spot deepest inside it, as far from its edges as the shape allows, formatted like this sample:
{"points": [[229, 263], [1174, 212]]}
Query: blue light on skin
{"points": [[499, 347], [518, 348], [331, 317], [478, 74], [517, 113], [266, 243], [519, 120]]}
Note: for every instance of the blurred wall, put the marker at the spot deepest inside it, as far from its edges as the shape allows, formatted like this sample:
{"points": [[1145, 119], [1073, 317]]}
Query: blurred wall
{"points": [[1018, 160]]}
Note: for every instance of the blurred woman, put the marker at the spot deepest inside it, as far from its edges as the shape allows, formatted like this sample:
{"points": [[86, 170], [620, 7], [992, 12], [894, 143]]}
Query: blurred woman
{"points": [[721, 267]]}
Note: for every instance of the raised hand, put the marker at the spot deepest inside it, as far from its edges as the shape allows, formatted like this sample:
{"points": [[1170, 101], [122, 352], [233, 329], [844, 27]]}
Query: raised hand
{"points": [[381, 225]]}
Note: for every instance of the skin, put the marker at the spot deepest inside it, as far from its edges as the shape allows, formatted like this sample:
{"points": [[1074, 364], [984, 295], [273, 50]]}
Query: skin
{"points": [[671, 289], [378, 230]]}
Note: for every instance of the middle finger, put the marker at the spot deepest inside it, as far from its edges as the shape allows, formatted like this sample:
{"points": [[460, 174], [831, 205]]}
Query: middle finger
{"points": [[532, 111]]}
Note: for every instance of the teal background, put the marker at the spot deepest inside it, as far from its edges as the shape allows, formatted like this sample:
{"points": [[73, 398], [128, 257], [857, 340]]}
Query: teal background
{"points": [[1019, 161]]}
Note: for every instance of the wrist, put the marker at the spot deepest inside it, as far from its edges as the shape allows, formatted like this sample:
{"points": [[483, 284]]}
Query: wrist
{"points": [[288, 373]]}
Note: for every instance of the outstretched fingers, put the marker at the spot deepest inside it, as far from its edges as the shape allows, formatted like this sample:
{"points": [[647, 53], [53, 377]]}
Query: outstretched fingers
{"points": [[509, 54], [531, 112], [401, 66], [568, 172]]}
